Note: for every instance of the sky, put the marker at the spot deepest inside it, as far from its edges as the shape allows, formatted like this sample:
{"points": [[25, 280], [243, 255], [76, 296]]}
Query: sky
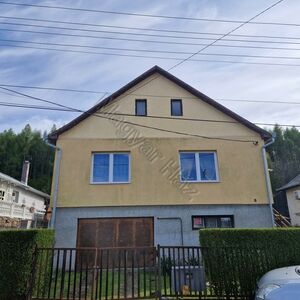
{"points": [[107, 73]]}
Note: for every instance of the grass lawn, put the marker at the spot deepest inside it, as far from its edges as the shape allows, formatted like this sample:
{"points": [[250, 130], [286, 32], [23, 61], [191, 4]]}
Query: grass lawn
{"points": [[109, 284]]}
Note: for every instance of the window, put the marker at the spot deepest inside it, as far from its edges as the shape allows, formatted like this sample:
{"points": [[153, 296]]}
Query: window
{"points": [[198, 166], [212, 222], [2, 194], [110, 168], [176, 107], [15, 196], [141, 107]]}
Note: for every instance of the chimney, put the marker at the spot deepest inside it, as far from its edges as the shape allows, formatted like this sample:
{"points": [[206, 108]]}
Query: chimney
{"points": [[25, 172]]}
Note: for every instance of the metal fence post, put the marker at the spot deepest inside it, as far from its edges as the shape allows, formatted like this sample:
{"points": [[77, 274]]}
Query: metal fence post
{"points": [[33, 273], [158, 274]]}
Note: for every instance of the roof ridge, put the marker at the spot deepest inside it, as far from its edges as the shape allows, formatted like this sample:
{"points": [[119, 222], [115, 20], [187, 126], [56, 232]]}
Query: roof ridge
{"points": [[23, 184]]}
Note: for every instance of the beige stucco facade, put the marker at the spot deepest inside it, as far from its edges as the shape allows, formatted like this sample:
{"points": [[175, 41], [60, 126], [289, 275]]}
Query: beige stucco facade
{"points": [[155, 154]]}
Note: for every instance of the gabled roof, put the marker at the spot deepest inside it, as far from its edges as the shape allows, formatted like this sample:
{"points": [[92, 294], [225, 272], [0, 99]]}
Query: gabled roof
{"points": [[156, 69], [293, 183], [4, 177]]}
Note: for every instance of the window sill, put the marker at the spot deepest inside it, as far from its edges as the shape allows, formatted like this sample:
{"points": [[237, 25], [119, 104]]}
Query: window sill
{"points": [[202, 181], [108, 183]]}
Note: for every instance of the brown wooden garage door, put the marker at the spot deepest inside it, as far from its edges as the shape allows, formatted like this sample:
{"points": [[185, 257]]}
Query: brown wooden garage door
{"points": [[115, 232]]}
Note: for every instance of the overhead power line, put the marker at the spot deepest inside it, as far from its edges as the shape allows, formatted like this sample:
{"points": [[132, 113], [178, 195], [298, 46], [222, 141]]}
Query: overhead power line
{"points": [[147, 40], [149, 35], [145, 15], [24, 105], [52, 89], [127, 122], [153, 57], [146, 50], [147, 29], [225, 35], [290, 102], [212, 43], [49, 108]]}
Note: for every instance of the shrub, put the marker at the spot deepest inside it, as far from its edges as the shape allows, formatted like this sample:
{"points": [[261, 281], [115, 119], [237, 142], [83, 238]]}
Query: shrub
{"points": [[236, 258], [17, 248]]}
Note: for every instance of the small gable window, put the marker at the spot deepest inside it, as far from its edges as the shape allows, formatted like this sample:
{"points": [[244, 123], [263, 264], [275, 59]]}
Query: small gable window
{"points": [[141, 107], [176, 107]]}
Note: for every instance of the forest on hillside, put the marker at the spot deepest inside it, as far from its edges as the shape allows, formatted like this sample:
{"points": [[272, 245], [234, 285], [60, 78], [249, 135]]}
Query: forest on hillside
{"points": [[27, 145], [284, 156]]}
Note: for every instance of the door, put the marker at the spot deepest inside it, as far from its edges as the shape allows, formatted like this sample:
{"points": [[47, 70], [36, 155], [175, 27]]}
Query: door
{"points": [[118, 240], [115, 232]]}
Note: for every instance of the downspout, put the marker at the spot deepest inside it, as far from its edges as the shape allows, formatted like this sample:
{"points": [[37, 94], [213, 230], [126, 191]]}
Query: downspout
{"points": [[175, 218], [267, 176], [56, 181]]}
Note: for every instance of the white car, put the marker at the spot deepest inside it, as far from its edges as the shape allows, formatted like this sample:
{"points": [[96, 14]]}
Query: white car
{"points": [[280, 284]]}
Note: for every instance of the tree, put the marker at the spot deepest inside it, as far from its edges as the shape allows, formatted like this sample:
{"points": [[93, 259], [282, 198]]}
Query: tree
{"points": [[284, 156], [27, 145]]}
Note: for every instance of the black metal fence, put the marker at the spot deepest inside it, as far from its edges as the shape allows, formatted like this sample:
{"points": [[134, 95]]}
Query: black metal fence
{"points": [[89, 273], [139, 273]]}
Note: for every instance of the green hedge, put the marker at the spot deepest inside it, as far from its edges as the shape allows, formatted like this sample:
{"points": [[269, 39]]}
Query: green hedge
{"points": [[16, 259], [236, 258]]}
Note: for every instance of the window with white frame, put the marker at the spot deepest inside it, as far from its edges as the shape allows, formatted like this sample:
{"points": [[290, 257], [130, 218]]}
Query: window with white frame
{"points": [[198, 166], [110, 168], [15, 196], [2, 194]]}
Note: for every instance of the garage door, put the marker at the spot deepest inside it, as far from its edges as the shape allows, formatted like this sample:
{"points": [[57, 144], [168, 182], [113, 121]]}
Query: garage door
{"points": [[115, 232]]}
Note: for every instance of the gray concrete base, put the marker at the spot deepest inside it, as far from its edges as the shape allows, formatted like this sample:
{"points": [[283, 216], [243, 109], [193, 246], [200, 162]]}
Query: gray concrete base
{"points": [[166, 232]]}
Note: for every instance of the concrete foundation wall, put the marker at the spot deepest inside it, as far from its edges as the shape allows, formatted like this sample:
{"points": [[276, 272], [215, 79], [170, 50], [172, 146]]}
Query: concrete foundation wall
{"points": [[166, 231]]}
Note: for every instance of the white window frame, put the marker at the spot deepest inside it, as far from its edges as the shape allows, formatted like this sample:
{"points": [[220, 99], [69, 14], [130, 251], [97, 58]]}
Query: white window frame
{"points": [[2, 196], [111, 168], [198, 166]]}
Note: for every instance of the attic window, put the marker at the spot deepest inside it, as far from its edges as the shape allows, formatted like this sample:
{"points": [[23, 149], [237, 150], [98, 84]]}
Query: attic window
{"points": [[176, 107], [141, 107]]}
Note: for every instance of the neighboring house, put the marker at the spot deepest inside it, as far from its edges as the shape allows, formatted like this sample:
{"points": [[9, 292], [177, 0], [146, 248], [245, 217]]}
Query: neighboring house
{"points": [[121, 184], [21, 206], [292, 190]]}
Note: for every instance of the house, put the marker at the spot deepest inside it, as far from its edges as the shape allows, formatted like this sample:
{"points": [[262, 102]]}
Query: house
{"points": [[21, 206], [152, 164], [292, 191]]}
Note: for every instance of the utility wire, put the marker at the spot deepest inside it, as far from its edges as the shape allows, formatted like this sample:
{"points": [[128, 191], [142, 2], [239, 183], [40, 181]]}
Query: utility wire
{"points": [[152, 57], [145, 15], [226, 34], [147, 29], [146, 50], [147, 34], [127, 122], [24, 105], [215, 41], [147, 41], [52, 89], [291, 102]]}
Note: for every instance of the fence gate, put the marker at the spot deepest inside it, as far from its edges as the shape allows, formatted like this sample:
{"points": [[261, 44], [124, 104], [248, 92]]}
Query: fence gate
{"points": [[139, 273]]}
